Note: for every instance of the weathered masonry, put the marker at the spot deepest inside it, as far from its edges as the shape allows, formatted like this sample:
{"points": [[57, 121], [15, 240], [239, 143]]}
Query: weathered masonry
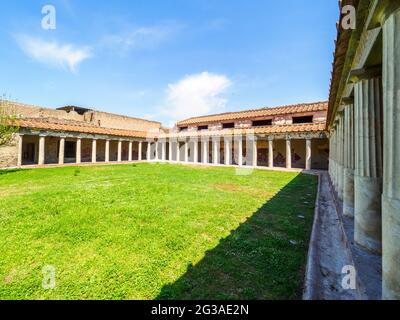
{"points": [[74, 135], [364, 131], [288, 137]]}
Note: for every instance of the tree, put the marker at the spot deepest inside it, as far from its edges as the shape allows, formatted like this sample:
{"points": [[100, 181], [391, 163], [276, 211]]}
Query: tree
{"points": [[8, 127]]}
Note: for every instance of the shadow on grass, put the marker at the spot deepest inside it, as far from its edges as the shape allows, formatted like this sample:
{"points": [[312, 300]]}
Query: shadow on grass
{"points": [[264, 258], [7, 171]]}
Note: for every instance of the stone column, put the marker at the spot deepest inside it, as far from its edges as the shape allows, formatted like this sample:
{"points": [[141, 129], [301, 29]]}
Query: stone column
{"points": [[334, 163], [288, 154], [119, 151], [254, 149], [348, 184], [331, 155], [368, 175], [391, 151], [148, 152], [228, 150], [61, 151], [78, 150], [186, 156], [163, 150], [94, 151], [42, 147], [270, 153], [20, 144], [178, 151], [215, 153], [308, 154], [340, 169], [169, 150], [107, 151], [195, 151], [240, 151], [140, 146], [130, 151], [204, 144], [156, 155]]}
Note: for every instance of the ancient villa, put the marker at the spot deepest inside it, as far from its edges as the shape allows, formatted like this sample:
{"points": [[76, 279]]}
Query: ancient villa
{"points": [[356, 136], [290, 136]]}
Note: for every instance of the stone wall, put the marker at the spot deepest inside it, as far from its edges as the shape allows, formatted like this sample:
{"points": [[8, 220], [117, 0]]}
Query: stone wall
{"points": [[108, 120], [29, 111], [97, 118], [51, 150], [8, 154]]}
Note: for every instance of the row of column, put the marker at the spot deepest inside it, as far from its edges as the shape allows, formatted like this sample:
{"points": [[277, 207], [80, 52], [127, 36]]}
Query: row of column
{"points": [[356, 161], [215, 155], [153, 151], [364, 156], [78, 156]]}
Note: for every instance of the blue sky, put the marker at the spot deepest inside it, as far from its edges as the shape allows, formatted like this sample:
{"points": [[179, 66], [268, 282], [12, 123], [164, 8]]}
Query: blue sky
{"points": [[167, 60]]}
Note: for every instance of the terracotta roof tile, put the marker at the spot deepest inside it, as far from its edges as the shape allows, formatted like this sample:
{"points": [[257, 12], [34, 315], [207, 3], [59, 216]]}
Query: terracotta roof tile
{"points": [[74, 126], [255, 113]]}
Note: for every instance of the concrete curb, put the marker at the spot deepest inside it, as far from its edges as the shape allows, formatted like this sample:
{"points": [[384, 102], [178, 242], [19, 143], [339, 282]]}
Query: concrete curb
{"points": [[312, 256]]}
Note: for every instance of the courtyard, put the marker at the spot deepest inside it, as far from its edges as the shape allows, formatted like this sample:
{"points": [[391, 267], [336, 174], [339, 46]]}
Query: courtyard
{"points": [[154, 231]]}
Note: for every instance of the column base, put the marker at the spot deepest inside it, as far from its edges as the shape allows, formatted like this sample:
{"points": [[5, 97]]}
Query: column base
{"points": [[391, 248], [348, 193], [368, 213]]}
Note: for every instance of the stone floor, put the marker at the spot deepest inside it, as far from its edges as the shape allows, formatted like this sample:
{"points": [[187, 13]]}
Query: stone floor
{"points": [[332, 247], [329, 252], [368, 265]]}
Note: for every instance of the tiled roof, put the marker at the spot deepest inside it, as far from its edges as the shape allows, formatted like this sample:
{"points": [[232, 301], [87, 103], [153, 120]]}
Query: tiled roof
{"points": [[277, 129], [256, 113], [342, 55], [75, 126]]}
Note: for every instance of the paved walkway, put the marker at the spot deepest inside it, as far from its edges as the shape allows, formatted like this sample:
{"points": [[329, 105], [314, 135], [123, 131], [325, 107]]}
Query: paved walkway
{"points": [[329, 252]]}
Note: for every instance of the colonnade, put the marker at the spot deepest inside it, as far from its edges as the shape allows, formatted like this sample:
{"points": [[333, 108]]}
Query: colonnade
{"points": [[364, 156], [186, 150]]}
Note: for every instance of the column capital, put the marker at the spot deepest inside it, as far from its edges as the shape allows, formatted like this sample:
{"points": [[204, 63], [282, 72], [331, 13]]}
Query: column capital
{"points": [[347, 101], [386, 9], [358, 75]]}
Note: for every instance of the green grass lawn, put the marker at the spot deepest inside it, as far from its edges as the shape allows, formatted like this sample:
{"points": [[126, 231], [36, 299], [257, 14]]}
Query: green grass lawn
{"points": [[154, 231]]}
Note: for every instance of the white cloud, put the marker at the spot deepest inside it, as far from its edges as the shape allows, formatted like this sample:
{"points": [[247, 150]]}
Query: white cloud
{"points": [[196, 95], [140, 37], [51, 53]]}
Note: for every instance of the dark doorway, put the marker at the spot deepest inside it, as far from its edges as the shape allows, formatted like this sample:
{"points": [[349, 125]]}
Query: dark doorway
{"points": [[29, 153], [70, 151]]}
